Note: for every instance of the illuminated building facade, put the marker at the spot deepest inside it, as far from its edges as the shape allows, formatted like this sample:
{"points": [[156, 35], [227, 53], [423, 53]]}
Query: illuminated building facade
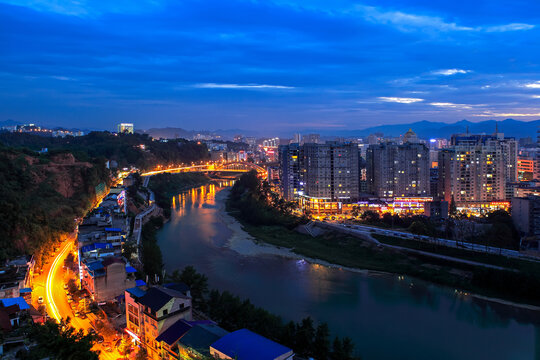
{"points": [[125, 128], [150, 313], [331, 171], [528, 165], [398, 170], [291, 174], [478, 168]]}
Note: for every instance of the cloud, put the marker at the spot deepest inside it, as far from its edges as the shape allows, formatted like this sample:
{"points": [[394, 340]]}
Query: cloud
{"points": [[408, 22], [240, 86], [449, 72], [507, 115], [401, 100], [451, 105], [536, 96], [509, 27], [534, 85]]}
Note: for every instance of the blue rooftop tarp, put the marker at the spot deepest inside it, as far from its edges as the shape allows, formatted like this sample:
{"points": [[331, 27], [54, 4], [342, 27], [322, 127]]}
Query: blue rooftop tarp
{"points": [[25, 290], [113, 229], [140, 283], [130, 269], [23, 305], [95, 265], [135, 291], [96, 246], [246, 345]]}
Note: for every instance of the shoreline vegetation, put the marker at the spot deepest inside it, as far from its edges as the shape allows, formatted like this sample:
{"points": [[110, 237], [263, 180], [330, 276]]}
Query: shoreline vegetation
{"points": [[231, 312], [251, 204]]}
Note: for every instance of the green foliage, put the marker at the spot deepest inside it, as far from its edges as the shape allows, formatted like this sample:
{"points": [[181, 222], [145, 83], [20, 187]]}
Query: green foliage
{"points": [[34, 214], [257, 204], [59, 341], [125, 149], [232, 313], [151, 253], [198, 284]]}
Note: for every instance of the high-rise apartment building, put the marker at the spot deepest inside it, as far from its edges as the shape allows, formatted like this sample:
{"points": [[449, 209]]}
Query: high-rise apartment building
{"points": [[478, 168], [291, 171], [324, 171], [125, 128], [312, 139], [331, 171], [398, 170]]}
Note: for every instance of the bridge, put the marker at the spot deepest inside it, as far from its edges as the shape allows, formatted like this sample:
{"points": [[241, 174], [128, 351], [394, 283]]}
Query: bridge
{"points": [[238, 166]]}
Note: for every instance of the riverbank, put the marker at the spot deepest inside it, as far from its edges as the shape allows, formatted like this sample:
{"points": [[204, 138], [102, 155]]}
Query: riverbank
{"points": [[346, 251]]}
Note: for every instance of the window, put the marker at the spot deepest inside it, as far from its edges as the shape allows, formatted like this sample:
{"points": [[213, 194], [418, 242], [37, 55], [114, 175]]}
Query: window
{"points": [[165, 312]]}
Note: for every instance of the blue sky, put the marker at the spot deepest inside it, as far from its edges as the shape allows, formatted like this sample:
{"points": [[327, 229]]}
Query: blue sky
{"points": [[268, 65]]}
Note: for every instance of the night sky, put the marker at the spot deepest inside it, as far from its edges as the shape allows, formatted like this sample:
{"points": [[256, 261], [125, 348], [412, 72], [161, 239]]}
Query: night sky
{"points": [[268, 65]]}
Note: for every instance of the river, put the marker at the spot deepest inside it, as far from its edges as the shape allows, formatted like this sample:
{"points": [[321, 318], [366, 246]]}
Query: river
{"points": [[386, 316]]}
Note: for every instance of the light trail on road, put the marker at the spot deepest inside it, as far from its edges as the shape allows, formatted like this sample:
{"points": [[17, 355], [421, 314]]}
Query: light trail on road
{"points": [[50, 277]]}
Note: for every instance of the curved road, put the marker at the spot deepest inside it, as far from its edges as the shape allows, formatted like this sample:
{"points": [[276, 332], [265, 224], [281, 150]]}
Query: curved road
{"points": [[56, 299]]}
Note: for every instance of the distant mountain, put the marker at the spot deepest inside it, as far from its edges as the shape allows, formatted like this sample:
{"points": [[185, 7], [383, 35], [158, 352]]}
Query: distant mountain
{"points": [[429, 129], [9, 122], [172, 132]]}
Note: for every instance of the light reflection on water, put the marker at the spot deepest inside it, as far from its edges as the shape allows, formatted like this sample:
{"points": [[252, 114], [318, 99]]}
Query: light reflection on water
{"points": [[388, 316]]}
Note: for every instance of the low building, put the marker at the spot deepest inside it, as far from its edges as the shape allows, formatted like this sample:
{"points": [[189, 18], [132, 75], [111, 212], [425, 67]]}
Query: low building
{"points": [[106, 278], [189, 339], [150, 313], [526, 215], [16, 277], [246, 345], [436, 210]]}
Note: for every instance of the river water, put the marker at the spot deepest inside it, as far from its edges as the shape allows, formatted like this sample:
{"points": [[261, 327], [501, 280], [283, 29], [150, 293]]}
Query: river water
{"points": [[386, 316]]}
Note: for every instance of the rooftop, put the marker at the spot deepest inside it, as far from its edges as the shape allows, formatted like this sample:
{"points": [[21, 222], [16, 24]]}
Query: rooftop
{"points": [[246, 345]]}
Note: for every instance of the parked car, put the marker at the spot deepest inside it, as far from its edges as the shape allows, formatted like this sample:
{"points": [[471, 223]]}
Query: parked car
{"points": [[40, 300], [65, 286], [76, 313]]}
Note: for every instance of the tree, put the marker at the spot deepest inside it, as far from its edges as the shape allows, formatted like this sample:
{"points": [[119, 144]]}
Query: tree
{"points": [[60, 341], [321, 346], [337, 350], [72, 286], [304, 336], [418, 228], [198, 284], [452, 209], [129, 249], [141, 354]]}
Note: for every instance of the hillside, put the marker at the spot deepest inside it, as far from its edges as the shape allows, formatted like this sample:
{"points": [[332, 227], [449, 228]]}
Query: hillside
{"points": [[40, 197], [127, 150]]}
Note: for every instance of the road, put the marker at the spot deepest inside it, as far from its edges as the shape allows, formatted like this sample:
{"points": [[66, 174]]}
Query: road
{"points": [[364, 229], [51, 282]]}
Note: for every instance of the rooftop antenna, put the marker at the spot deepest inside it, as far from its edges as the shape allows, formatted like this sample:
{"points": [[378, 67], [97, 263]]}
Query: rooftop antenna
{"points": [[496, 127]]}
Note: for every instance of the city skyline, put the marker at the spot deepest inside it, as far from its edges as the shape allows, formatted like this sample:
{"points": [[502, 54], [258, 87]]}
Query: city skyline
{"points": [[276, 65]]}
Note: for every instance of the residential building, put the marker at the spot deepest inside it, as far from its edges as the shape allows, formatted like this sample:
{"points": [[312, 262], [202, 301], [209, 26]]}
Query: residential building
{"points": [[526, 215], [150, 313], [125, 128], [16, 277], [331, 171], [106, 278], [291, 171], [312, 139], [478, 168], [246, 345], [398, 170]]}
